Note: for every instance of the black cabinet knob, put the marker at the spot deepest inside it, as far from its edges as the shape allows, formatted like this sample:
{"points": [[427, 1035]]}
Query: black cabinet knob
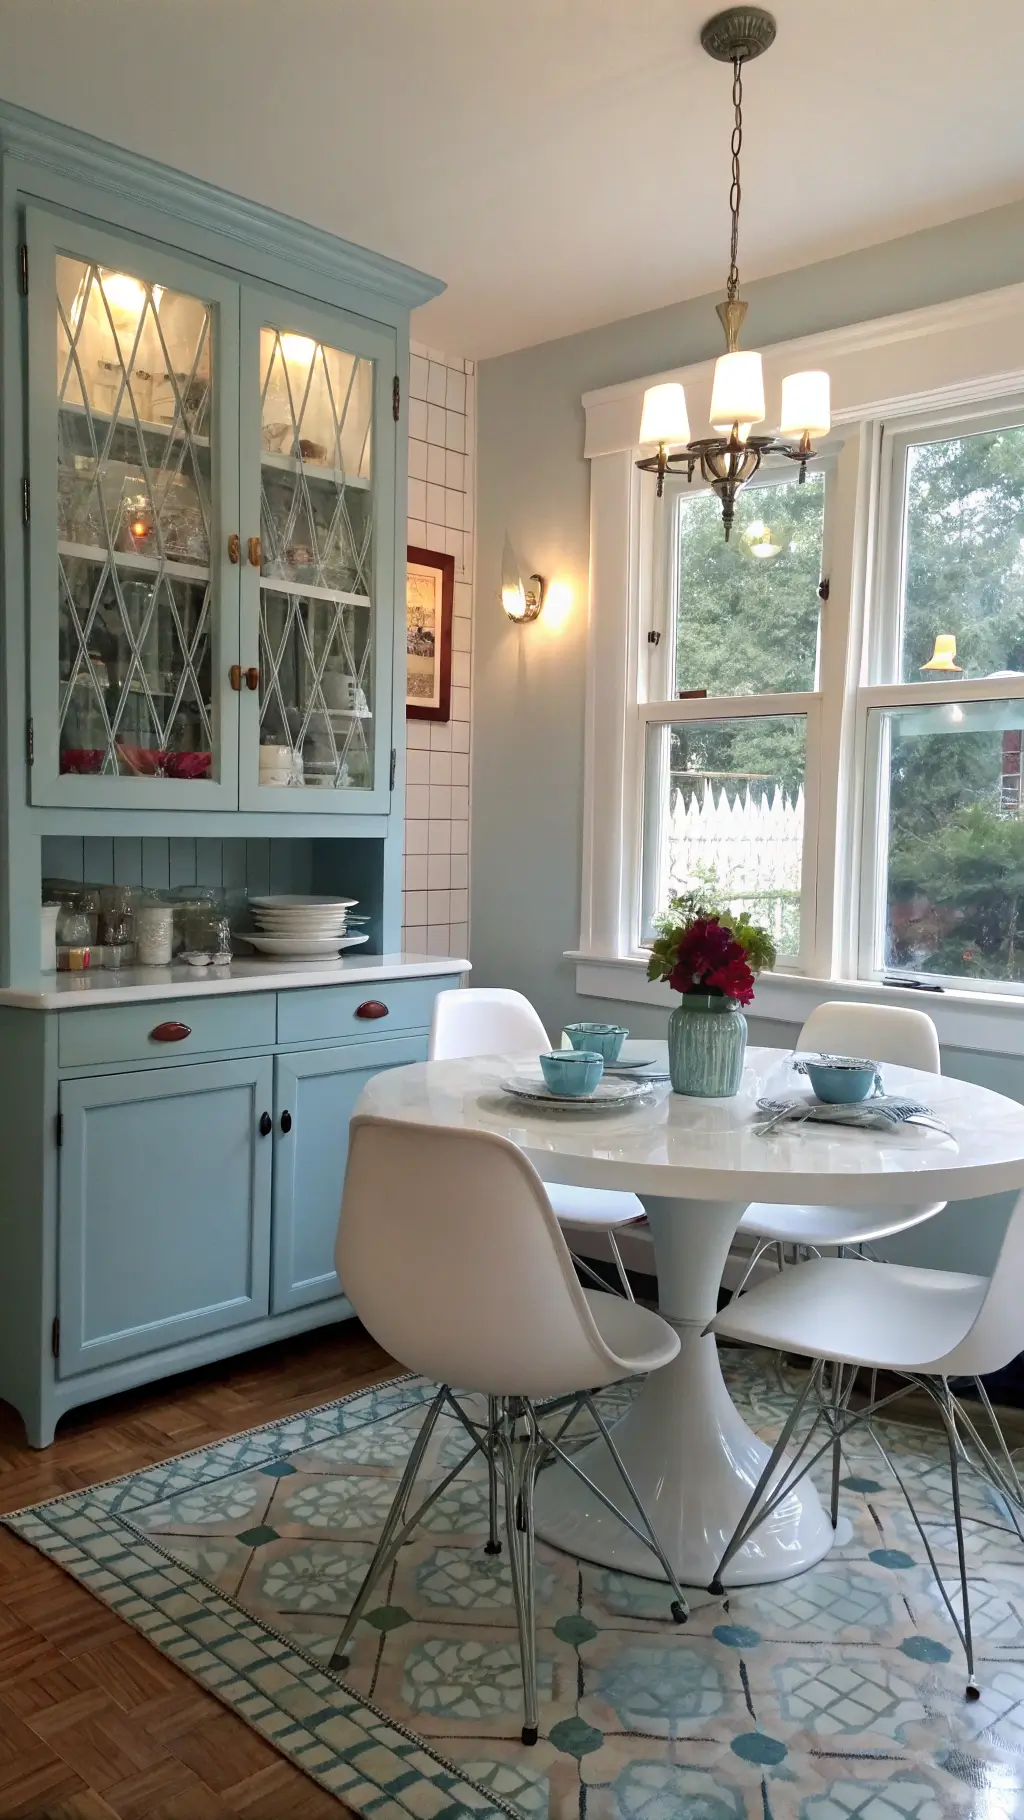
{"points": [[286, 1121], [266, 1124]]}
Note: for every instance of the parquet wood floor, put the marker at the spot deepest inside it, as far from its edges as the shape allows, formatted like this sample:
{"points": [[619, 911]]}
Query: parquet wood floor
{"points": [[94, 1723]]}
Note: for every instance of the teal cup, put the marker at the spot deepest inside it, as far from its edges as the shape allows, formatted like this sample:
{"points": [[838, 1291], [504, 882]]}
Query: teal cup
{"points": [[605, 1040], [574, 1072], [842, 1080]]}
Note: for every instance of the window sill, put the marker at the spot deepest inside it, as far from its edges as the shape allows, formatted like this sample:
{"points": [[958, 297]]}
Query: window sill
{"points": [[989, 1022]]}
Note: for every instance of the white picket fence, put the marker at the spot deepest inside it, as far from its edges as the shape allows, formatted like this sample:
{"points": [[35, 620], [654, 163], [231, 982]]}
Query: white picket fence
{"points": [[746, 848]]}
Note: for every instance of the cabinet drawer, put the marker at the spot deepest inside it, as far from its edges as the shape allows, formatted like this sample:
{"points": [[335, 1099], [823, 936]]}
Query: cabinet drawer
{"points": [[126, 1033], [322, 1014]]}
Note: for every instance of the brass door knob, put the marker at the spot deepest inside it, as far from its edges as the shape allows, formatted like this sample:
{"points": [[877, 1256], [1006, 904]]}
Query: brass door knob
{"points": [[234, 547], [255, 552]]}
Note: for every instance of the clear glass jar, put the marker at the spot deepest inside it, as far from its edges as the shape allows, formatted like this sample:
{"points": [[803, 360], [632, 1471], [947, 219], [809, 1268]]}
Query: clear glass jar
{"points": [[154, 933], [74, 940]]}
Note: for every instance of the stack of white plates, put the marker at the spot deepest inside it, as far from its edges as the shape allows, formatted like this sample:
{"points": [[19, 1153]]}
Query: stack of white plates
{"points": [[302, 927]]}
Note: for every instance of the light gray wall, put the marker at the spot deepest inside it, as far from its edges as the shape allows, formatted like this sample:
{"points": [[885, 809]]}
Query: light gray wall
{"points": [[529, 681]]}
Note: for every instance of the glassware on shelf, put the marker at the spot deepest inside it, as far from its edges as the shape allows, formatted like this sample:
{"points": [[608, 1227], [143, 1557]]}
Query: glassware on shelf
{"points": [[79, 508], [75, 938], [134, 377], [207, 935]]}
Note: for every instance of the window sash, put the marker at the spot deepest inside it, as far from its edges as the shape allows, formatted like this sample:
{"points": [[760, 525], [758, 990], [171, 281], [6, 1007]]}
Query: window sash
{"points": [[649, 804]]}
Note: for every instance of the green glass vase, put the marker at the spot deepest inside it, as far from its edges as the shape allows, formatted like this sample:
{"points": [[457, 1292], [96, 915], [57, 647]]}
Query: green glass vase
{"points": [[707, 1039]]}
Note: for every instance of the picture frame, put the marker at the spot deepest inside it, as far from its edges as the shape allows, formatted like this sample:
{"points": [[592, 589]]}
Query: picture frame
{"points": [[429, 604]]}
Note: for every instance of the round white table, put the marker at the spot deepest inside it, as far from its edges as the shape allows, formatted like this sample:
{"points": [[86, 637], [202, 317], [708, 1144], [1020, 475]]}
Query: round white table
{"points": [[697, 1164]]}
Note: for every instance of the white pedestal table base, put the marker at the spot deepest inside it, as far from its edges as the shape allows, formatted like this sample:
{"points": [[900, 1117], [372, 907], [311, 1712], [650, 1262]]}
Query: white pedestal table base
{"points": [[690, 1454]]}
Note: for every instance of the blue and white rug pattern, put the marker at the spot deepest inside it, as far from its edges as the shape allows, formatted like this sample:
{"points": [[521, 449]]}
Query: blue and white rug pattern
{"points": [[837, 1695]]}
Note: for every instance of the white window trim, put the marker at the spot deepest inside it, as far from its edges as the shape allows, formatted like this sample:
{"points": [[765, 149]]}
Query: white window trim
{"points": [[948, 359]]}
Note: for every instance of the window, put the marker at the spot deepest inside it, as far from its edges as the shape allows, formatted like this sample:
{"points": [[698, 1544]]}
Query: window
{"points": [[822, 721], [944, 804], [730, 728]]}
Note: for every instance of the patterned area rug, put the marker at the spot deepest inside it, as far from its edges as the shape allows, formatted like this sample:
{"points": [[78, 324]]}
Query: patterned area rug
{"points": [[835, 1695]]}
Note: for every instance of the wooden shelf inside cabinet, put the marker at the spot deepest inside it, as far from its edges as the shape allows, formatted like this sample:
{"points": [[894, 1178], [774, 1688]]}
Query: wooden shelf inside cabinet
{"points": [[125, 420], [311, 591], [313, 470], [143, 565]]}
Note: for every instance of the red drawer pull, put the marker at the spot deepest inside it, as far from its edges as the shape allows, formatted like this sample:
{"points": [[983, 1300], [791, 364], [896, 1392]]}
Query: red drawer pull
{"points": [[170, 1033], [372, 1007]]}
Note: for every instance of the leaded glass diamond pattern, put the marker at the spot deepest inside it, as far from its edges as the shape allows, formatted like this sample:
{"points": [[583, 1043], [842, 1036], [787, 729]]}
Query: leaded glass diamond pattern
{"points": [[316, 646], [134, 375]]}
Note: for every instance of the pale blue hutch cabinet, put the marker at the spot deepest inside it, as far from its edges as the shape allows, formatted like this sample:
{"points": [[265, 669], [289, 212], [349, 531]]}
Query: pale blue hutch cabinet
{"points": [[203, 468]]}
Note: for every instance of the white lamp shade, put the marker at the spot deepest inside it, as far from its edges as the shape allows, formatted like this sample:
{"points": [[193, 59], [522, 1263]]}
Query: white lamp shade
{"points": [[806, 405], [664, 418], [737, 396]]}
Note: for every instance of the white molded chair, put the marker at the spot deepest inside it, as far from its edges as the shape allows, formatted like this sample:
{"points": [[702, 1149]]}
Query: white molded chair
{"points": [[926, 1326], [886, 1033], [492, 1020], [452, 1258]]}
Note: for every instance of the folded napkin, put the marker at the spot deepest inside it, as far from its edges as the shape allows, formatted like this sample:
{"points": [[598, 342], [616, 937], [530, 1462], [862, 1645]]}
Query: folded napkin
{"points": [[882, 1113]]}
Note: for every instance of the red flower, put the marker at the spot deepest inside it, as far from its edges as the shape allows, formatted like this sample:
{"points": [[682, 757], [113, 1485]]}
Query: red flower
{"points": [[735, 980], [710, 959]]}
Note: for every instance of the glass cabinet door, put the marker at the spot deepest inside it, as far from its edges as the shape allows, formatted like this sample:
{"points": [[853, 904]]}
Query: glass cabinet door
{"points": [[133, 430], [321, 433]]}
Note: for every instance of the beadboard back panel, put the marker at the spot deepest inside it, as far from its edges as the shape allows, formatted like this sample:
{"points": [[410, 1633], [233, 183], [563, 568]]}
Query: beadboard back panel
{"points": [[352, 868]]}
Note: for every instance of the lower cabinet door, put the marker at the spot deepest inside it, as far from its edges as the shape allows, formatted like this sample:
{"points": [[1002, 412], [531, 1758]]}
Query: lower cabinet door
{"points": [[315, 1097], [165, 1181]]}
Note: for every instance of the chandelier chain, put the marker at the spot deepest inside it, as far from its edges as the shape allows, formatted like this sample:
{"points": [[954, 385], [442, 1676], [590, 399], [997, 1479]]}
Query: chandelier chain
{"points": [[735, 192]]}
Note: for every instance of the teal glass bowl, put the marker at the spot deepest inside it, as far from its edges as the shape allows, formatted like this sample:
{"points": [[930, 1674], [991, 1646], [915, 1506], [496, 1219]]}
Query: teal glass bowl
{"points": [[574, 1072], [605, 1040]]}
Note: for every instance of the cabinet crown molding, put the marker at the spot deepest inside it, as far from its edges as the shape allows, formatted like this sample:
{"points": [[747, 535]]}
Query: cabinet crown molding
{"points": [[35, 139]]}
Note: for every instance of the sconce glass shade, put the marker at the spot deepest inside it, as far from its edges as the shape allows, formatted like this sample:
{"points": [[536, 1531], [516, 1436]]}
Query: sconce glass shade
{"points": [[944, 655], [664, 418], [806, 406], [522, 600], [737, 396]]}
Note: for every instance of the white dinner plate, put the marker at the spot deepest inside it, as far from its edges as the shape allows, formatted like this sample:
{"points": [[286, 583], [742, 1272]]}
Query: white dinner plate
{"points": [[607, 1093], [301, 947], [305, 925], [286, 901]]}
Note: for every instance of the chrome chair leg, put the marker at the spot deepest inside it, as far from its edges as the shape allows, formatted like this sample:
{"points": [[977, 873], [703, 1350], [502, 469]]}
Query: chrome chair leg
{"points": [[492, 1546], [627, 1287]]}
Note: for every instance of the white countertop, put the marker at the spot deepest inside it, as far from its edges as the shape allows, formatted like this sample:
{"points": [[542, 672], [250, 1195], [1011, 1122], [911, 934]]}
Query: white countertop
{"points": [[70, 991], [710, 1149]]}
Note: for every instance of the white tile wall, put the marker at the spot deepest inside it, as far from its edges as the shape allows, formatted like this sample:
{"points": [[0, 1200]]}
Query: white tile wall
{"points": [[442, 465]]}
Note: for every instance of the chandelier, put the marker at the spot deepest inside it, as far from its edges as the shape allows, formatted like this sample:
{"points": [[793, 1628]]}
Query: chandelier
{"points": [[732, 456]]}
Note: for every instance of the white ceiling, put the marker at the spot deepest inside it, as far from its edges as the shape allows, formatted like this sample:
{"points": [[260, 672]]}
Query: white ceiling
{"points": [[560, 163]]}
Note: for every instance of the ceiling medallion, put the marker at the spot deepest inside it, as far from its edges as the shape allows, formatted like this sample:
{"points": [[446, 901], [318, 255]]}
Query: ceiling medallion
{"points": [[732, 456]]}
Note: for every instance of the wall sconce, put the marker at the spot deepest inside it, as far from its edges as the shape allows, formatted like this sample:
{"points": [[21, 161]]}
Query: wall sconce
{"points": [[522, 600]]}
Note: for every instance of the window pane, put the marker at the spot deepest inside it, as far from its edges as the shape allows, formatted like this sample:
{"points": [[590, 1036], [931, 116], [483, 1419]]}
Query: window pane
{"points": [[724, 816], [954, 873], [748, 609], [964, 556]]}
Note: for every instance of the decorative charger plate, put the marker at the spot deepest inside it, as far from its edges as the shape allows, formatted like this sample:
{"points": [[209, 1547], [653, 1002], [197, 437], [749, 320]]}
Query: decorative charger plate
{"points": [[606, 1094]]}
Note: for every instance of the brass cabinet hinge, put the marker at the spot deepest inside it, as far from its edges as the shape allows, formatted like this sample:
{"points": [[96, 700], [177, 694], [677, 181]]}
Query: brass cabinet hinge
{"points": [[396, 398], [60, 1129], [394, 761], [23, 269], [55, 1337], [30, 742], [26, 500]]}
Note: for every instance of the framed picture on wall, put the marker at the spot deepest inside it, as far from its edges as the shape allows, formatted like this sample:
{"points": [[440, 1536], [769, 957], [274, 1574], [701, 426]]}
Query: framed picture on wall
{"points": [[429, 600]]}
